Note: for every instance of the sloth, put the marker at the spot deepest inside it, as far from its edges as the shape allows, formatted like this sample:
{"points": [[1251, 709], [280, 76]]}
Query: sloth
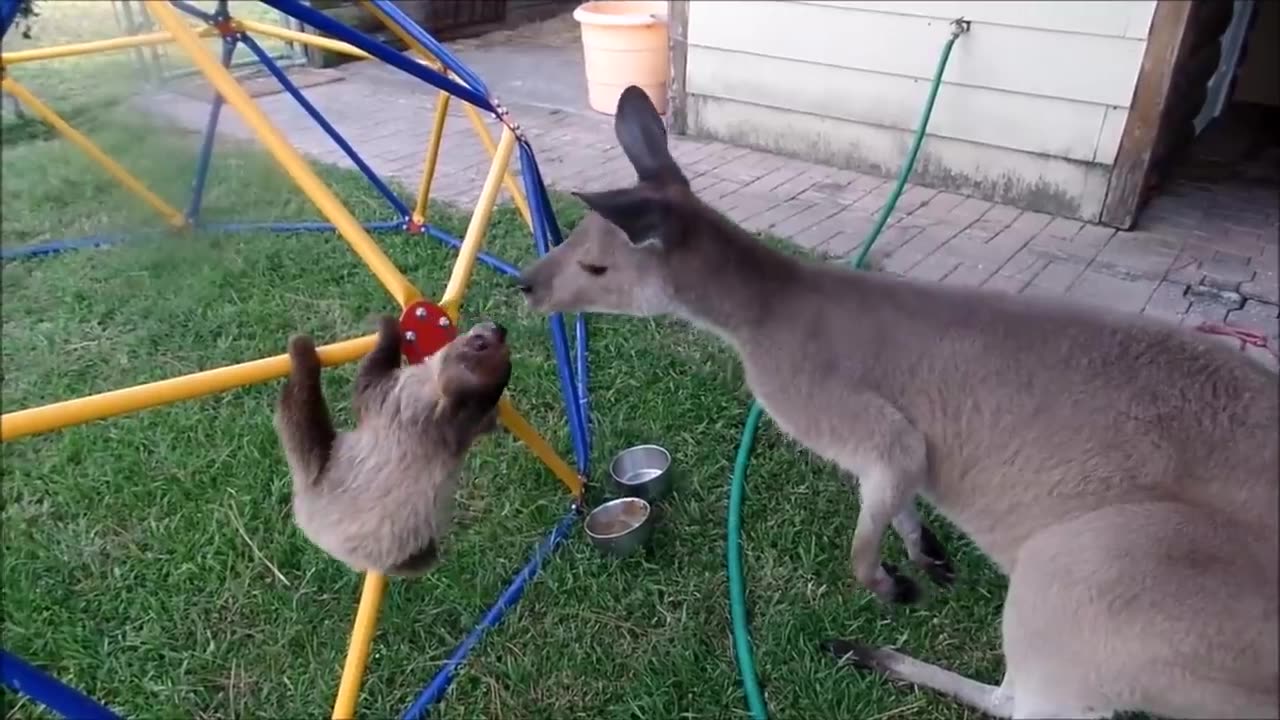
{"points": [[380, 497]]}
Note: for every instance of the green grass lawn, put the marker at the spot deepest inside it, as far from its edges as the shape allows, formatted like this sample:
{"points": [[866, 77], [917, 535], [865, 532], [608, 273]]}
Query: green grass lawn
{"points": [[151, 560]]}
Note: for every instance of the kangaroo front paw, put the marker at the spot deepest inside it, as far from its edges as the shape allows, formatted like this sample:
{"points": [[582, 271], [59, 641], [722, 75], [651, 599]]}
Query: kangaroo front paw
{"points": [[933, 559], [891, 586], [939, 571]]}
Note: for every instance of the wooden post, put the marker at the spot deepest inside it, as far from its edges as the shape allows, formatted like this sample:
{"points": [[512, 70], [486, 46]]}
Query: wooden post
{"points": [[1142, 128]]}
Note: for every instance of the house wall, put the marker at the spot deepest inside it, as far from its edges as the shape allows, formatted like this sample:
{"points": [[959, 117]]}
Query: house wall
{"points": [[1031, 110]]}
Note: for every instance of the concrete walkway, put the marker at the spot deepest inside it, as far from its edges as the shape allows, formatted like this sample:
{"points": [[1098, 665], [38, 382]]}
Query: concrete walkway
{"points": [[1205, 252]]}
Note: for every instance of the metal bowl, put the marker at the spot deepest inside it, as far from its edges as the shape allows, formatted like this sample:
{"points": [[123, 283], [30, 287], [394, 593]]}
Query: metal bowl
{"points": [[620, 527], [643, 471]]}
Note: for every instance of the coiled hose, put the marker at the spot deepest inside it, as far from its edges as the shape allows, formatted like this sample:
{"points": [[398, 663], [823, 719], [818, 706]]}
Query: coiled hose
{"points": [[737, 488]]}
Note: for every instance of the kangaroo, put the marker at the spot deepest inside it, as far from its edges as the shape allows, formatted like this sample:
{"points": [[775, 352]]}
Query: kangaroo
{"points": [[1122, 473], [380, 497]]}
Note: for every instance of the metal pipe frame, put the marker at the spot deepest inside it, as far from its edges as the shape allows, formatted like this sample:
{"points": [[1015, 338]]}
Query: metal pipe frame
{"points": [[87, 146], [22, 677], [379, 50], [210, 133], [539, 217], [287, 156], [546, 234], [435, 690], [8, 13], [272, 67], [279, 33], [421, 39], [431, 157], [94, 47], [421, 44]]}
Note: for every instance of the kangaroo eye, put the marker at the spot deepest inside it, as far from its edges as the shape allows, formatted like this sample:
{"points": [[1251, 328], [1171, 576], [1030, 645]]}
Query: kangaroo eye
{"points": [[593, 269]]}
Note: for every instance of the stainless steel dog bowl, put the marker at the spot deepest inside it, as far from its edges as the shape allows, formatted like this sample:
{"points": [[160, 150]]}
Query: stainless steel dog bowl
{"points": [[643, 471], [620, 527]]}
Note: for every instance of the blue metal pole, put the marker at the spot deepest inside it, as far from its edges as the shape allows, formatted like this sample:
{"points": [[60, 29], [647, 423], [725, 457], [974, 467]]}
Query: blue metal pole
{"points": [[25, 679], [323, 122], [498, 264], [379, 50], [540, 189], [564, 368], [552, 228], [8, 13], [584, 396], [194, 11], [210, 135], [296, 226], [553, 239], [509, 597], [55, 247], [543, 229], [440, 683], [441, 53]]}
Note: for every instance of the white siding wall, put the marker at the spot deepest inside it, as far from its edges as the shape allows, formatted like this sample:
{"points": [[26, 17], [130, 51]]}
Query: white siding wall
{"points": [[1031, 110]]}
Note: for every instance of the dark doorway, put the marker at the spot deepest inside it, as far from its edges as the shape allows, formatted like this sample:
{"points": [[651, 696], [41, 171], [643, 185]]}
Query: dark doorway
{"points": [[1208, 101], [1224, 101]]}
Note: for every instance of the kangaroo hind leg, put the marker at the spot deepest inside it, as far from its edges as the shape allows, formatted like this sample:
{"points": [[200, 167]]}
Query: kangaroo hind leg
{"points": [[1144, 607], [990, 699], [891, 463]]}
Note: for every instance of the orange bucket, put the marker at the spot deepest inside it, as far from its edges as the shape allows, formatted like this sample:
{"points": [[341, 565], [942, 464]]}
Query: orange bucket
{"points": [[624, 42]]}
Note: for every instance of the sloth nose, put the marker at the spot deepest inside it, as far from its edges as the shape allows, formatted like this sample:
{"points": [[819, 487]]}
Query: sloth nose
{"points": [[496, 329]]}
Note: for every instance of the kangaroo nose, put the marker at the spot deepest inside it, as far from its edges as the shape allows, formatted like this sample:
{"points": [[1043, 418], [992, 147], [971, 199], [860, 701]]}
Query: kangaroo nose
{"points": [[523, 285]]}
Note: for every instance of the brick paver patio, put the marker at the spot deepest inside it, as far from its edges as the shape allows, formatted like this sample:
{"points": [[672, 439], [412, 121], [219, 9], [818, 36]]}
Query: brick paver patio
{"points": [[1202, 253]]}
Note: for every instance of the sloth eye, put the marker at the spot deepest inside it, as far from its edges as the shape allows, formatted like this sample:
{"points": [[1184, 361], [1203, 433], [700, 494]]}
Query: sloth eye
{"points": [[590, 269]]}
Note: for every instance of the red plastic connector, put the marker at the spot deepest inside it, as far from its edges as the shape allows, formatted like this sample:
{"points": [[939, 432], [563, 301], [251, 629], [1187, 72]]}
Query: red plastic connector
{"points": [[424, 328], [226, 27], [414, 227]]}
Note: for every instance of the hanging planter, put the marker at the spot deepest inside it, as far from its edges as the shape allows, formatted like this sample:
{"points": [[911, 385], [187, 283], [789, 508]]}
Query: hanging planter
{"points": [[624, 42]]}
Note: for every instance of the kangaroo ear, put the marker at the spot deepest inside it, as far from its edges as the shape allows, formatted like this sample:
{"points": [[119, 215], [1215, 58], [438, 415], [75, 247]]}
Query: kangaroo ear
{"points": [[636, 212], [644, 138]]}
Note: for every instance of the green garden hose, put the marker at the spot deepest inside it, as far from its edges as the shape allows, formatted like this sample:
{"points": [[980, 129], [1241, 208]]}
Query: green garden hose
{"points": [[737, 488]]}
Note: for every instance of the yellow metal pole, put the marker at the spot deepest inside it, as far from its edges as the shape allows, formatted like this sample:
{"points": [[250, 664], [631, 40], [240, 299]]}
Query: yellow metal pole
{"points": [[280, 33], [290, 159], [403, 36], [95, 46], [525, 432], [432, 156], [131, 183], [55, 416], [344, 706], [508, 181], [474, 238]]}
